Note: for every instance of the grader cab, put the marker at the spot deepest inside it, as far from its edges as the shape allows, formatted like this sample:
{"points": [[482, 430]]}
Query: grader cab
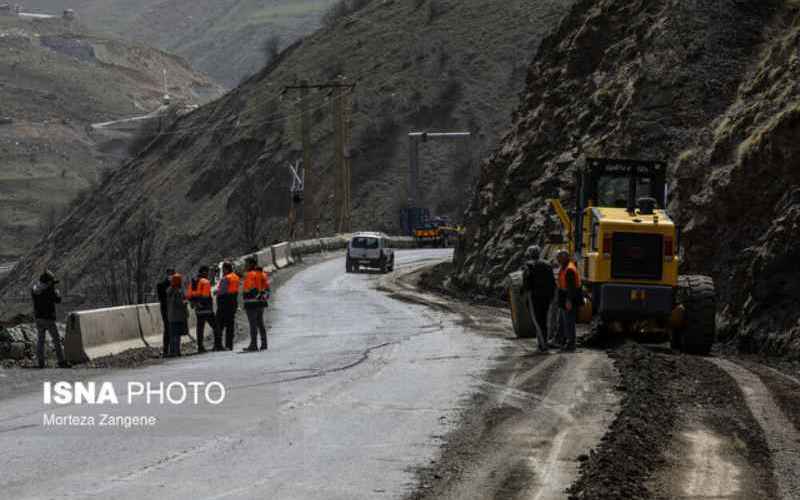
{"points": [[628, 253]]}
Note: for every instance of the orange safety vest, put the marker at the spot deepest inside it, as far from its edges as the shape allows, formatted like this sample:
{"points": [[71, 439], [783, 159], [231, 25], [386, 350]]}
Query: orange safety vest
{"points": [[203, 290], [233, 283], [252, 282], [562, 276]]}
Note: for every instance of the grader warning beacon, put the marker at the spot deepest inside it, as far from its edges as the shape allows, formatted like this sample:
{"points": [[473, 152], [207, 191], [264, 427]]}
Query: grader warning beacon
{"points": [[628, 252]]}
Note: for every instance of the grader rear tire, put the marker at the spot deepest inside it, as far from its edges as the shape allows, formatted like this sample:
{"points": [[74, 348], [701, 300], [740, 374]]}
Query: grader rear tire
{"points": [[699, 298]]}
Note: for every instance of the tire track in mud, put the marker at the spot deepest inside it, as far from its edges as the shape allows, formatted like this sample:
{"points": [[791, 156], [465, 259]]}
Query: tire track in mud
{"points": [[521, 435], [782, 438], [684, 431]]}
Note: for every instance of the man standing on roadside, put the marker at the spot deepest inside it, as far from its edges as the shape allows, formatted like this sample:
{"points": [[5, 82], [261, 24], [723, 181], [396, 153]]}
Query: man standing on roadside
{"points": [[176, 313], [570, 298], [161, 291], [199, 296], [540, 284], [45, 297], [253, 304], [227, 303]]}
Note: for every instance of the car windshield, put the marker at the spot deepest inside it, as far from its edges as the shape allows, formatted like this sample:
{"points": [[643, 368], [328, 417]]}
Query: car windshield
{"points": [[368, 243]]}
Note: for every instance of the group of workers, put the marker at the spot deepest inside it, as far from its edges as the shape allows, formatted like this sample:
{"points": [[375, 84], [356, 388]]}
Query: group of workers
{"points": [[173, 298], [542, 288]]}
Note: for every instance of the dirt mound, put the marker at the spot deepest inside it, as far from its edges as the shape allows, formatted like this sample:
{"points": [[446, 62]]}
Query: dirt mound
{"points": [[709, 87]]}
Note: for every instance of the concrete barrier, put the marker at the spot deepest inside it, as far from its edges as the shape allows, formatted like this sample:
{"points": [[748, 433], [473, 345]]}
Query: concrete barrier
{"points": [[101, 332], [266, 260], [305, 247], [282, 255], [402, 242]]}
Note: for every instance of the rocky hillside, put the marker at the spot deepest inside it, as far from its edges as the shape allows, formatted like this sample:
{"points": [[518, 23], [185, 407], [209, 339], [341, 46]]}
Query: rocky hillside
{"points": [[417, 65], [54, 83], [712, 87], [223, 38]]}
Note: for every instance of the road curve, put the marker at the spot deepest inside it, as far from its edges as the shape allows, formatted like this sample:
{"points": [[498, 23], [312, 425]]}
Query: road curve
{"points": [[350, 397]]}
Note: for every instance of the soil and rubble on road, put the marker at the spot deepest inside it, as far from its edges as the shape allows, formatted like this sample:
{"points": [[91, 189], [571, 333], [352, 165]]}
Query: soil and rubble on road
{"points": [[684, 427]]}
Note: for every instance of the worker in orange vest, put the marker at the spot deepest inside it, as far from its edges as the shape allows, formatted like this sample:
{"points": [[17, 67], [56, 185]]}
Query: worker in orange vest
{"points": [[252, 292], [227, 303], [199, 296], [570, 298]]}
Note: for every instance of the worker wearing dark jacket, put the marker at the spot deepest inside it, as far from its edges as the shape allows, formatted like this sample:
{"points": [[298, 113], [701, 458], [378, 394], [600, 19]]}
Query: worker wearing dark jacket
{"points": [[252, 293], [227, 303], [45, 297], [540, 284], [199, 296], [161, 291], [570, 298], [177, 315]]}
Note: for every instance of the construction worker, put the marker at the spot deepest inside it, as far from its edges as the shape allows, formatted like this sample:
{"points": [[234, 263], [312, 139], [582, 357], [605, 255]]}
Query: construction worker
{"points": [[570, 298], [265, 296], [199, 295], [161, 291], [540, 284], [253, 305], [227, 303], [176, 312], [45, 297]]}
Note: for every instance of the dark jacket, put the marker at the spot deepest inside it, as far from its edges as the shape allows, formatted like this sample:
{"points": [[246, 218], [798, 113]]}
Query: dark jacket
{"points": [[538, 279], [161, 291], [176, 306], [45, 297]]}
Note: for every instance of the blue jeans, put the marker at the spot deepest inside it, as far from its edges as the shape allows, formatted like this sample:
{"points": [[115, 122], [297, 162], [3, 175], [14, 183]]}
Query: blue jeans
{"points": [[568, 319], [176, 330]]}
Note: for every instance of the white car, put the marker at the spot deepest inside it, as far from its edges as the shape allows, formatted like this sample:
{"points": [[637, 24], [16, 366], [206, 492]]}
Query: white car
{"points": [[369, 250]]}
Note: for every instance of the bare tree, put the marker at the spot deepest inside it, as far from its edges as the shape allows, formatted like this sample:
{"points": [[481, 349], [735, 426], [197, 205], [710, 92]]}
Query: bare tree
{"points": [[50, 219], [251, 212], [125, 266]]}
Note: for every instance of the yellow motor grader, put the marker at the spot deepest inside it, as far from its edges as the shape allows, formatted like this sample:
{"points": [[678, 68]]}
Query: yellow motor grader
{"points": [[628, 252]]}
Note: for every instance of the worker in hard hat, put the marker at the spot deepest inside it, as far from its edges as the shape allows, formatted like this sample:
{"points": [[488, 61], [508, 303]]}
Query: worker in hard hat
{"points": [[570, 298]]}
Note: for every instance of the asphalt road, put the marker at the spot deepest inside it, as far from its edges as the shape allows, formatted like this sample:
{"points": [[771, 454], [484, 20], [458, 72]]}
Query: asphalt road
{"points": [[356, 391]]}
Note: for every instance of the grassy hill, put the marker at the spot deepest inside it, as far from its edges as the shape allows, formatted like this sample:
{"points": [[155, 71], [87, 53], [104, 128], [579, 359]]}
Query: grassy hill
{"points": [[54, 83], [223, 38], [417, 65]]}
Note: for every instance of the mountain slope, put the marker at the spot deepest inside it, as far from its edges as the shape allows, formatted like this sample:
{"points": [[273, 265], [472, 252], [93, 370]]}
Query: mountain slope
{"points": [[415, 67], [712, 88], [53, 84], [223, 38]]}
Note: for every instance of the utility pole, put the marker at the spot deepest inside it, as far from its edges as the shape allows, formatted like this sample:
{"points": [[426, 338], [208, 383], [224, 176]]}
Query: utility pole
{"points": [[414, 214], [342, 120], [342, 186], [296, 198], [414, 139]]}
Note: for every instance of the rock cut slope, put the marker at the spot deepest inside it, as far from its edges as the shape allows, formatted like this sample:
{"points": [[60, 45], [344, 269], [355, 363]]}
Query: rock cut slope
{"points": [[417, 65], [709, 86]]}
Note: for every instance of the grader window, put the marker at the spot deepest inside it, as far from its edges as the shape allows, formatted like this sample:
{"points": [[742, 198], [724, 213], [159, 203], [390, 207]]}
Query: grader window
{"points": [[612, 192]]}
